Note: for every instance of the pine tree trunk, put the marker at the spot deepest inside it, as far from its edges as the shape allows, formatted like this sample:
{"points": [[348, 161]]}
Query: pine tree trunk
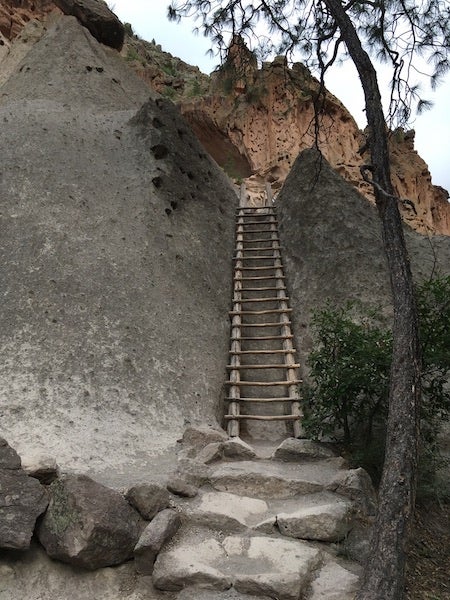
{"points": [[384, 573]]}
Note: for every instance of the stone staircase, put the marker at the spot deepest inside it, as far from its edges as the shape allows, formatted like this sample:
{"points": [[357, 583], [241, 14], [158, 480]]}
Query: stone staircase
{"points": [[281, 526]]}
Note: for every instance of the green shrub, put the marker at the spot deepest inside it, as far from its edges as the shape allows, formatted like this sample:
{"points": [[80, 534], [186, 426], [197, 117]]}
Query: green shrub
{"points": [[347, 398]]}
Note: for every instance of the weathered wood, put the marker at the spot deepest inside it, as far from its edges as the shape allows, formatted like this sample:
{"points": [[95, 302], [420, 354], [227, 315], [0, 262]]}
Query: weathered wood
{"points": [[266, 222], [267, 337], [278, 324], [268, 366], [266, 417], [263, 400], [265, 383], [269, 311], [253, 241], [259, 289], [269, 299], [262, 278], [262, 351]]}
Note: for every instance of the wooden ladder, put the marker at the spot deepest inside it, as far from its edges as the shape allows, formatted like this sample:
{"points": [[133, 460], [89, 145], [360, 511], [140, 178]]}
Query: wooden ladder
{"points": [[263, 371]]}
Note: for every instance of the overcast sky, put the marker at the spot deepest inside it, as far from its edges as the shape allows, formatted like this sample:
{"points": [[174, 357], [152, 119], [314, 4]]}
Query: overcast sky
{"points": [[149, 21]]}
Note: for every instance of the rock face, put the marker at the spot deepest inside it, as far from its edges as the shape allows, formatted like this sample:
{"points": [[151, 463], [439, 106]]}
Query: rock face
{"points": [[117, 237], [333, 247], [155, 535], [88, 524], [254, 122], [22, 500], [97, 18], [14, 14]]}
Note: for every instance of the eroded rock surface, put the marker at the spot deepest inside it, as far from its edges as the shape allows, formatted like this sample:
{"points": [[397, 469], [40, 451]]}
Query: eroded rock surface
{"points": [[97, 18], [22, 500]]}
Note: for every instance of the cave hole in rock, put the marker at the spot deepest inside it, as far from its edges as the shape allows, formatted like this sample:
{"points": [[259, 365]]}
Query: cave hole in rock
{"points": [[220, 147], [157, 123], [157, 182], [159, 151]]}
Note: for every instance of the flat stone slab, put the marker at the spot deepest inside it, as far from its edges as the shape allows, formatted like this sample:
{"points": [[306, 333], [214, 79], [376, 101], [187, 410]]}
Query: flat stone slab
{"points": [[222, 510], [334, 583], [256, 565], [293, 449], [196, 593], [269, 479], [327, 521]]}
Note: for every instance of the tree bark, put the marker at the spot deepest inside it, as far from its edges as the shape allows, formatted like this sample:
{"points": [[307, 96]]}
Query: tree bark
{"points": [[384, 573]]}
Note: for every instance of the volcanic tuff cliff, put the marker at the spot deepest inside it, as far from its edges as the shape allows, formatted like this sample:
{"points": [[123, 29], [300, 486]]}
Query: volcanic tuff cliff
{"points": [[254, 121]]}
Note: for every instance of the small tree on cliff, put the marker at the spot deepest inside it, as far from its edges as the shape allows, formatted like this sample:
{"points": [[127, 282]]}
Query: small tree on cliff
{"points": [[395, 31]]}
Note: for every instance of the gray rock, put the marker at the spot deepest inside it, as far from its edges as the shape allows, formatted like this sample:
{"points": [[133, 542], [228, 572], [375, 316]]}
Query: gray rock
{"points": [[197, 593], [180, 487], [148, 499], [293, 449], [356, 544], [97, 18], [237, 448], [43, 468], [269, 479], [259, 565], [356, 485], [88, 524], [334, 583], [202, 435], [155, 535], [22, 500], [9, 459], [210, 453], [325, 522], [193, 472], [226, 512], [191, 563]]}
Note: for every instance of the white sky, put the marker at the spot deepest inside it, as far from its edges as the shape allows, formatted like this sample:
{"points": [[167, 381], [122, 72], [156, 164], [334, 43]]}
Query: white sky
{"points": [[149, 21]]}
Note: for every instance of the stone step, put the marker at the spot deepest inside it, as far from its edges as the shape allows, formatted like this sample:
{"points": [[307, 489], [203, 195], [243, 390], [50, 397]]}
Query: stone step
{"points": [[270, 479], [258, 565], [322, 516]]}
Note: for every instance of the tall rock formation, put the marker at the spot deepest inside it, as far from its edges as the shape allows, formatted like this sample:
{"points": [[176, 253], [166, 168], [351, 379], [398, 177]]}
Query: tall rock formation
{"points": [[333, 247], [254, 122], [117, 233]]}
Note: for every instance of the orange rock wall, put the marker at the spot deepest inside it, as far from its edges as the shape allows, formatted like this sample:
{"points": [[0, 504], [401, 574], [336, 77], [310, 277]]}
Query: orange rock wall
{"points": [[269, 118]]}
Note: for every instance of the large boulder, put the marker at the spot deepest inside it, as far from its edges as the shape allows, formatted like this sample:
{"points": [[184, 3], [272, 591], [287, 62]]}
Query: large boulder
{"points": [[22, 500], [97, 18], [88, 524]]}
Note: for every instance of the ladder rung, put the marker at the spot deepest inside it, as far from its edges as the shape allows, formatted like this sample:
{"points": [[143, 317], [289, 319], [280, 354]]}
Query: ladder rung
{"points": [[273, 222], [257, 231], [262, 338], [277, 239], [264, 417], [259, 278], [268, 268], [255, 257], [272, 299], [263, 383], [262, 400], [260, 312], [277, 324], [255, 208], [269, 366], [239, 352], [259, 248], [263, 289]]}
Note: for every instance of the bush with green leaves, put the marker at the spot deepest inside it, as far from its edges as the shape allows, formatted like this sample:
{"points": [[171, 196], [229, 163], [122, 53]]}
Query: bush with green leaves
{"points": [[347, 399]]}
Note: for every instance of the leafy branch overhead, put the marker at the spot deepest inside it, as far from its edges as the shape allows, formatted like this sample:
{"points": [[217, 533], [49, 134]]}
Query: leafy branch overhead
{"points": [[411, 37]]}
